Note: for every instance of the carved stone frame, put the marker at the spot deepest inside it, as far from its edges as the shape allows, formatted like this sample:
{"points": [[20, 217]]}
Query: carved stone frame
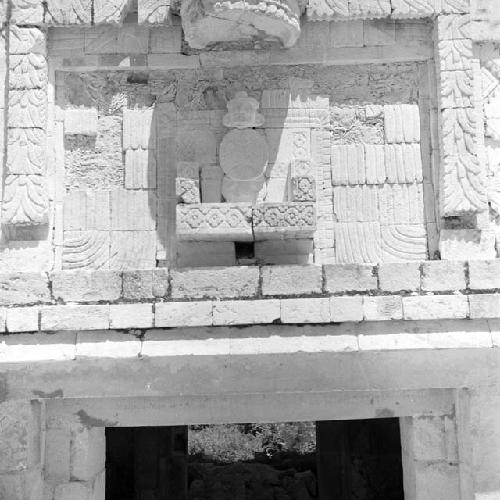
{"points": [[456, 121]]}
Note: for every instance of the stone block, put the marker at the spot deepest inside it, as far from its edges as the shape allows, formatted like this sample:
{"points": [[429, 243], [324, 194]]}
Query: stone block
{"points": [[307, 310], [87, 452], [346, 309], [24, 288], [140, 169], [350, 278], [217, 282], [383, 308], [137, 285], [131, 316], [132, 250], [215, 221], [436, 307], [85, 250], [133, 210], [161, 282], [246, 312], [87, 210], [395, 277], [57, 455], [73, 491], [27, 71], [106, 344], [467, 244], [205, 253], [28, 108], [284, 220], [485, 305], [22, 319], [401, 123], [86, 286], [138, 129], [80, 122], [19, 437], [82, 317], [183, 314], [30, 348], [442, 275], [484, 274], [291, 280]]}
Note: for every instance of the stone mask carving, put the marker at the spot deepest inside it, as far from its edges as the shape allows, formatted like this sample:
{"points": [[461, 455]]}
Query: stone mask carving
{"points": [[243, 112]]}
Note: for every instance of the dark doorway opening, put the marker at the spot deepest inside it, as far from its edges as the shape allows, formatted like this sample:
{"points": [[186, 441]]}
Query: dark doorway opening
{"points": [[341, 460]]}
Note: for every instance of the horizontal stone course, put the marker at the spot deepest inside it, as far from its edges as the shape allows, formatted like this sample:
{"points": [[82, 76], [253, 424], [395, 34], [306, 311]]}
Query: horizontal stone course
{"points": [[159, 298]]}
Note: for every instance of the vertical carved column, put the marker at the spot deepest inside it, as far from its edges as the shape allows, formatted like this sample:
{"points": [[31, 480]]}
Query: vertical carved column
{"points": [[463, 188], [25, 197]]}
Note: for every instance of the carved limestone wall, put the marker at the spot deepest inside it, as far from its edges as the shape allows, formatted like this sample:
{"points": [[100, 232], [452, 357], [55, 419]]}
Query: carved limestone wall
{"points": [[101, 115]]}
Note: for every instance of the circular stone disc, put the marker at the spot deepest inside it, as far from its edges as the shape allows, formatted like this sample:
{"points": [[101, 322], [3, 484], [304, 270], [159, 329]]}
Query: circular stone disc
{"points": [[243, 154]]}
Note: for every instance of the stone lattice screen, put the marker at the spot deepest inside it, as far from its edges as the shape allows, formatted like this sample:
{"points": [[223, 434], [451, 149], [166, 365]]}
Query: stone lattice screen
{"points": [[98, 117]]}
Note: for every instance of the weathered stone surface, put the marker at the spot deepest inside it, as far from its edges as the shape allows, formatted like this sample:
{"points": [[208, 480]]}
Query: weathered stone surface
{"points": [[80, 122], [466, 244], [25, 288], [22, 319], [226, 282], [131, 316], [106, 344], [73, 491], [436, 307], [87, 452], [27, 12], [64, 12], [346, 309], [231, 21], [382, 308], [291, 280], [82, 317], [239, 312], [356, 277], [19, 436], [153, 11], [485, 305], [443, 275], [24, 40], [137, 285], [57, 455], [179, 314], [312, 310], [110, 11], [399, 277], [484, 274], [86, 286]]}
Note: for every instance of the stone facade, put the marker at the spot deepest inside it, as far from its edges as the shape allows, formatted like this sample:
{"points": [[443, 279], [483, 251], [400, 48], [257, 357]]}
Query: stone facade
{"points": [[211, 211]]}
